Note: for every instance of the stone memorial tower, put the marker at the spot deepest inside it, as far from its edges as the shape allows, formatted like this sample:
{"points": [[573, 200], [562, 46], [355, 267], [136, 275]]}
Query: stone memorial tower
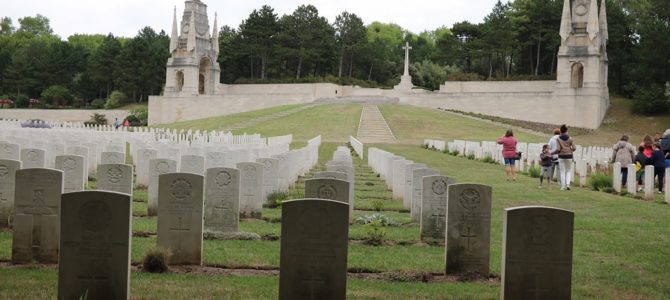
{"points": [[582, 56], [192, 68]]}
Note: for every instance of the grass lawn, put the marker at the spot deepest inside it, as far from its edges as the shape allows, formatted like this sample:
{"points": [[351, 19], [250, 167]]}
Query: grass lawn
{"points": [[218, 123], [411, 125], [621, 245]]}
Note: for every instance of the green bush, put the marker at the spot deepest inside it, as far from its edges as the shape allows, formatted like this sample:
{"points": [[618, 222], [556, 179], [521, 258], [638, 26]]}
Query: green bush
{"points": [[455, 153], [599, 182], [97, 119], [534, 171], [115, 99], [471, 156], [377, 205], [57, 95], [275, 199], [374, 233], [138, 117], [651, 101], [97, 103], [489, 159], [156, 260]]}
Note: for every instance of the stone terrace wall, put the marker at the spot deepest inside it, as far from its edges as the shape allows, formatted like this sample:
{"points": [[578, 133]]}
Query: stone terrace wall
{"points": [[62, 115]]}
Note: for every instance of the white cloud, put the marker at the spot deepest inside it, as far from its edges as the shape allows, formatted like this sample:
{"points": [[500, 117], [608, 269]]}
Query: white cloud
{"points": [[126, 17]]}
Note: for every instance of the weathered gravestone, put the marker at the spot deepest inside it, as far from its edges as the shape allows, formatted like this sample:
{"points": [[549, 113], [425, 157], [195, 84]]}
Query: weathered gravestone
{"points": [[398, 184], [180, 217], [144, 156], [283, 172], [115, 178], [222, 199], [108, 158], [536, 253], [434, 199], [417, 190], [157, 167], [351, 178], [468, 236], [36, 215], [331, 175], [95, 246], [82, 151], [270, 175], [74, 169], [251, 184], [313, 253], [8, 170], [330, 189], [408, 189], [10, 151], [32, 158], [215, 160], [194, 164]]}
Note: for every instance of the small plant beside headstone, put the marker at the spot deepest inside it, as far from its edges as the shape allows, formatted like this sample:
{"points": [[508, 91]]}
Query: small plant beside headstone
{"points": [[382, 219], [374, 233], [600, 182], [275, 199], [534, 172], [156, 260], [377, 205]]}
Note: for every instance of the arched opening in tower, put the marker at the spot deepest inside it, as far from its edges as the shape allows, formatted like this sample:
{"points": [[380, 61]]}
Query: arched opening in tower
{"points": [[205, 66], [577, 80]]}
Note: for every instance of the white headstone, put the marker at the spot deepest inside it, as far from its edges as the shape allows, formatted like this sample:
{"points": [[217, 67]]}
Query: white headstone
{"points": [[251, 184], [157, 167], [74, 168], [8, 170], [222, 199]]}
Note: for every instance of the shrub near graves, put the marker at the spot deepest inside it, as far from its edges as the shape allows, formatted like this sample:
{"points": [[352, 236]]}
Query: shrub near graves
{"points": [[600, 182], [275, 199], [156, 260], [374, 233]]}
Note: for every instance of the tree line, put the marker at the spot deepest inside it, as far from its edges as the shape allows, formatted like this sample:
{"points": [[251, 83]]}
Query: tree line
{"points": [[516, 41]]}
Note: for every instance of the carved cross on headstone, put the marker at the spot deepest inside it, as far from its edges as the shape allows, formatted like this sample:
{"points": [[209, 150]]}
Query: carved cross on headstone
{"points": [[313, 281], [468, 235], [439, 220], [179, 230]]}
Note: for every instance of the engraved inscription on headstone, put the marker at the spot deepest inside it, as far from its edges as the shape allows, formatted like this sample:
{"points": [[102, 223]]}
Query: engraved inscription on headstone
{"points": [[157, 167], [222, 199], [8, 170], [115, 178], [95, 246], [417, 190], [37, 212], [251, 185], [434, 207], [180, 216], [537, 253], [313, 253], [74, 171], [468, 238]]}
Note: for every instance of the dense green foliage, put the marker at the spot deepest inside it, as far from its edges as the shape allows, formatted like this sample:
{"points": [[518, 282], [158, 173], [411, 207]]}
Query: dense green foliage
{"points": [[516, 41]]}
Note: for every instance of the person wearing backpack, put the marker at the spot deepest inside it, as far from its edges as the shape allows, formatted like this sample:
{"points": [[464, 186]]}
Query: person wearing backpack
{"points": [[623, 153], [566, 147]]}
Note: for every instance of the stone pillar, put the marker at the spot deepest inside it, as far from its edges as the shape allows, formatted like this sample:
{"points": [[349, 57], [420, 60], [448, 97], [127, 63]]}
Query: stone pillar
{"points": [[617, 177], [631, 181], [649, 182]]}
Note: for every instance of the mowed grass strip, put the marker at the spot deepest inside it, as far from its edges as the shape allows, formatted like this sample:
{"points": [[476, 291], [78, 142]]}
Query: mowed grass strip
{"points": [[334, 122], [218, 123], [411, 125]]}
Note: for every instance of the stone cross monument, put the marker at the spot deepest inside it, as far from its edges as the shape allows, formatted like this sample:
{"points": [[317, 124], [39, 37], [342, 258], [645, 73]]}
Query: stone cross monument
{"points": [[406, 79]]}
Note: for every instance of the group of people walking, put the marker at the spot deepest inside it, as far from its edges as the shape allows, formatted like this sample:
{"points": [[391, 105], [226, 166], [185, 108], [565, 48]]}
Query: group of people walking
{"points": [[557, 156], [652, 151]]}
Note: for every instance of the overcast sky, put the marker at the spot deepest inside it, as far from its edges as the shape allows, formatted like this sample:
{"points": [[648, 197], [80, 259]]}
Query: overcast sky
{"points": [[126, 17]]}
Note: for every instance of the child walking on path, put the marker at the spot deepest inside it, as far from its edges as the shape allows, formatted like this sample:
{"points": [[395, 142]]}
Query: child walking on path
{"points": [[546, 162]]}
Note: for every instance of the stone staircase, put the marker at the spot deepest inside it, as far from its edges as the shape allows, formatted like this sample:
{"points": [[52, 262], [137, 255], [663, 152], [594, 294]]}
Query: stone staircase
{"points": [[373, 127], [265, 118]]}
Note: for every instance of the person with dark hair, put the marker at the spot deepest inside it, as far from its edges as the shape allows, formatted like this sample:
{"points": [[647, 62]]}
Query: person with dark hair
{"points": [[547, 165], [658, 160], [508, 141], [623, 153], [565, 149], [665, 142], [553, 147], [648, 143], [641, 161]]}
